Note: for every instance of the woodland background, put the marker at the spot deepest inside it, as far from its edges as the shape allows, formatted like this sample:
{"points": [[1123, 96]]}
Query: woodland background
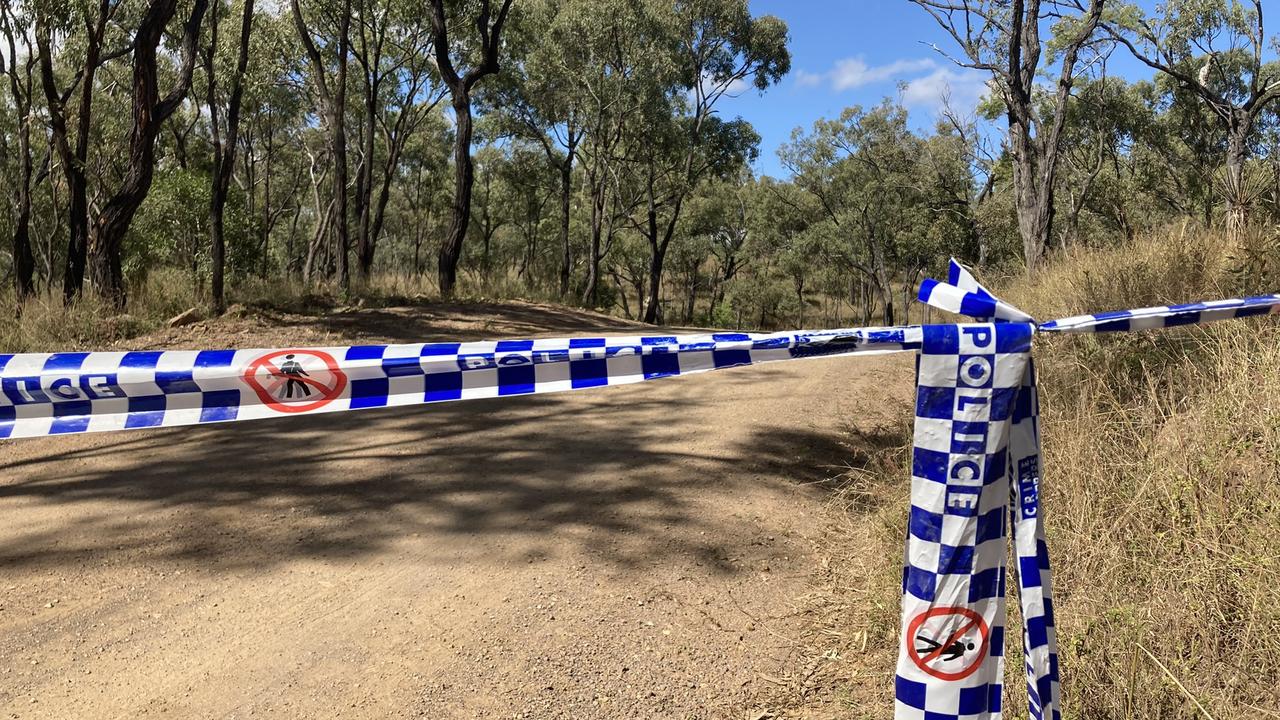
{"points": [[158, 155], [574, 151]]}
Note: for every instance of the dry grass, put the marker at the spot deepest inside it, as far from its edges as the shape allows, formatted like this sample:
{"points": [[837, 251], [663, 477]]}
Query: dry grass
{"points": [[45, 324], [1162, 495], [1162, 487]]}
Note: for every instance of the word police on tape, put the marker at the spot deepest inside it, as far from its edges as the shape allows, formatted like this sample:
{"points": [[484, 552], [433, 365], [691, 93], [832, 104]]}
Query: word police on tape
{"points": [[976, 442]]}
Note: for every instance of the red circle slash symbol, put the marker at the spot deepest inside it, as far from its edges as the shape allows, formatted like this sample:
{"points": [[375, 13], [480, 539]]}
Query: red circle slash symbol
{"points": [[948, 643], [295, 381]]}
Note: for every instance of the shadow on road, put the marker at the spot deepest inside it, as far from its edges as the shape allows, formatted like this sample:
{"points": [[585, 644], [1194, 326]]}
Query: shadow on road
{"points": [[441, 321], [619, 473]]}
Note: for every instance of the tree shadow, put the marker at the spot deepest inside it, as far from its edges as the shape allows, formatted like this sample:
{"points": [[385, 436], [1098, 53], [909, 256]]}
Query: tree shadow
{"points": [[454, 321], [610, 471], [348, 483], [597, 470], [827, 461]]}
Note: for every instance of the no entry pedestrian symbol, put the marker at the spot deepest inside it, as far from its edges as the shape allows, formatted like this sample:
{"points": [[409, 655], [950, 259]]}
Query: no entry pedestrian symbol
{"points": [[295, 381], [948, 643]]}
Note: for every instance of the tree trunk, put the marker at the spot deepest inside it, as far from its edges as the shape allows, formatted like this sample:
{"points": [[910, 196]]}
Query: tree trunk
{"points": [[653, 305], [907, 292], [317, 240], [338, 131], [463, 179], [1238, 133], [598, 202], [224, 150], [149, 113], [73, 161], [333, 105], [364, 184], [460, 90], [658, 251], [566, 193], [24, 262], [691, 301], [622, 295], [290, 263], [267, 221], [380, 209], [1033, 199]]}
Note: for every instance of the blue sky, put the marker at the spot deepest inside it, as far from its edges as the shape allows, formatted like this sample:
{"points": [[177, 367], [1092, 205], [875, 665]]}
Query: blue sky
{"points": [[856, 52]]}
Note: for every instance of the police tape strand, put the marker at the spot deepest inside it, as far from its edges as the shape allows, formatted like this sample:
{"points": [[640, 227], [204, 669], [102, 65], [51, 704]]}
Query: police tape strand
{"points": [[975, 458], [59, 393]]}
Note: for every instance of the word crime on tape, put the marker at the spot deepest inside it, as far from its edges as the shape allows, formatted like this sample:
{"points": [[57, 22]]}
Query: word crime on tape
{"points": [[975, 468]]}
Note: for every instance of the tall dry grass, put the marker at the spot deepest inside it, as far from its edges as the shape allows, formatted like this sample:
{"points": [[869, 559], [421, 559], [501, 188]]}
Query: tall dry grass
{"points": [[1161, 495], [1162, 485], [45, 324]]}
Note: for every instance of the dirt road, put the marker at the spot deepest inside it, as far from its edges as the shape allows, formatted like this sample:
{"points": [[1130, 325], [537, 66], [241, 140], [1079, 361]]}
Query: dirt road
{"points": [[618, 553]]}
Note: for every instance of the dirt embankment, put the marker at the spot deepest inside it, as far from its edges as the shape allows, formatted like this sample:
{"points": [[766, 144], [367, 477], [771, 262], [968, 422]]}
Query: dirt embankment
{"points": [[618, 553]]}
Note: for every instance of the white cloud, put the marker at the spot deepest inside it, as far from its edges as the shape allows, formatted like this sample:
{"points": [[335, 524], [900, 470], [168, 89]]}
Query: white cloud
{"points": [[804, 78], [962, 88], [852, 73], [926, 83]]}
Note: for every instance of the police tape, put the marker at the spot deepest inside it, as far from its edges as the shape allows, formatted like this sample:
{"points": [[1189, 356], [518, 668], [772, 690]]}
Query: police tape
{"points": [[976, 449], [75, 392], [976, 443]]}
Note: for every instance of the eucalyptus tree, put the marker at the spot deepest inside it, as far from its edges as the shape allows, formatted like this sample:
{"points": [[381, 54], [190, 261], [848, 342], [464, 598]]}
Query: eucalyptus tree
{"points": [[272, 159], [688, 260], [479, 58], [19, 68], [955, 177], [224, 129], [543, 97], [84, 54], [528, 187], [728, 207], [149, 110], [862, 169], [1213, 49], [1107, 120], [623, 75], [717, 48], [422, 205], [332, 106], [399, 89], [489, 206], [780, 227], [1002, 38]]}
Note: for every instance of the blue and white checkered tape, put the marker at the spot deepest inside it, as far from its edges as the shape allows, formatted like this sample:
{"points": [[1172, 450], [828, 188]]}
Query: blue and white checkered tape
{"points": [[951, 655], [976, 457], [57, 393], [1035, 591], [963, 295], [976, 442], [1166, 316]]}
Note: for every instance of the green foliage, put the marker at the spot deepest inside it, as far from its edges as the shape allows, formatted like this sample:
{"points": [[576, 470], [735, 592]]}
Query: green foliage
{"points": [[624, 97], [171, 228]]}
